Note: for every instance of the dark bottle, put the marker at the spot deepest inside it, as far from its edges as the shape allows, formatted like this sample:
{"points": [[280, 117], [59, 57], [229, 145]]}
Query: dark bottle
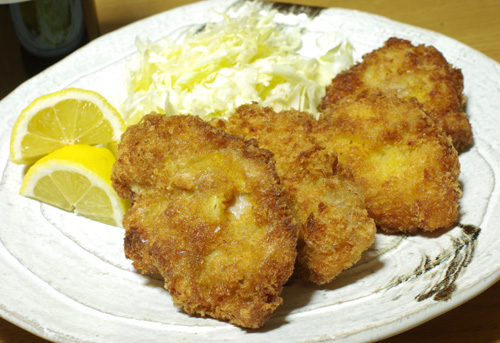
{"points": [[47, 31]]}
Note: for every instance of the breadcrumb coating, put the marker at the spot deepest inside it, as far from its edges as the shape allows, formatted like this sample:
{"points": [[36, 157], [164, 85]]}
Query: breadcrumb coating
{"points": [[334, 226], [406, 166], [209, 215], [408, 71]]}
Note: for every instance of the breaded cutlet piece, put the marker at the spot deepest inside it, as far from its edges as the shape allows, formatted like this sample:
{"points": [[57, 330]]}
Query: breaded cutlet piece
{"points": [[334, 226], [406, 166], [209, 215], [402, 69]]}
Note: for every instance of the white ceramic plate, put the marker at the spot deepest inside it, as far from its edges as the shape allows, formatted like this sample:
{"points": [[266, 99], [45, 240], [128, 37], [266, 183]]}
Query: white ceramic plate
{"points": [[65, 278]]}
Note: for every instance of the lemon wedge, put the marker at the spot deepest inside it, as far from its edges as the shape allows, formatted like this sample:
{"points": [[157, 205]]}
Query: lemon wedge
{"points": [[70, 116], [76, 178]]}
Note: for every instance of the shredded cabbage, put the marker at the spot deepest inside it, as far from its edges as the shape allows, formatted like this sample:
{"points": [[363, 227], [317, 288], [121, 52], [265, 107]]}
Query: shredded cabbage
{"points": [[230, 63]]}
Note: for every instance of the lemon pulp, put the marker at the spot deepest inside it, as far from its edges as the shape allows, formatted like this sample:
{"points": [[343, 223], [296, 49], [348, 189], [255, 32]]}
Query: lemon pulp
{"points": [[76, 178], [70, 116]]}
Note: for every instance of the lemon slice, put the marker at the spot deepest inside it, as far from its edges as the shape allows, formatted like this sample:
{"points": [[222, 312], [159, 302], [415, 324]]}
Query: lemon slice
{"points": [[70, 116], [77, 178]]}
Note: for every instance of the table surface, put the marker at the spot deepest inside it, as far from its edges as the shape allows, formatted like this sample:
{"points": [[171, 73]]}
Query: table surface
{"points": [[474, 23]]}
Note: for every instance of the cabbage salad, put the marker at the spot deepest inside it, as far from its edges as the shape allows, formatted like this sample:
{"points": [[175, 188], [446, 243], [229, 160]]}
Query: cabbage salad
{"points": [[229, 63]]}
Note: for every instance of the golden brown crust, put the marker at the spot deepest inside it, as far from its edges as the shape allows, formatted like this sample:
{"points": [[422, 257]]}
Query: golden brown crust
{"points": [[209, 215], [402, 69], [407, 167], [334, 225]]}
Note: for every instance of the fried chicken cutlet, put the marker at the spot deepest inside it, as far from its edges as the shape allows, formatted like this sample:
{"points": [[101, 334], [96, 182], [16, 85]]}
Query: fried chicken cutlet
{"points": [[402, 69], [406, 166], [334, 226], [209, 215]]}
